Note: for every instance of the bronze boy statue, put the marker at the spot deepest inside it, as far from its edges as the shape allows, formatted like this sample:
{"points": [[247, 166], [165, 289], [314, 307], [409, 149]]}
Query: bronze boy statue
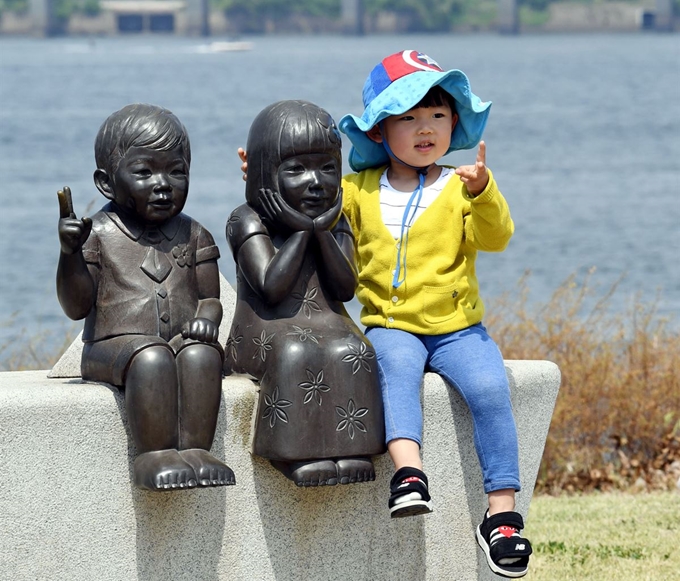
{"points": [[145, 278], [320, 415]]}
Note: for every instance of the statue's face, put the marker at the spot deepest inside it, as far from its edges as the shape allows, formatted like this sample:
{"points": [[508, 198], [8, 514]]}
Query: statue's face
{"points": [[152, 184], [310, 183]]}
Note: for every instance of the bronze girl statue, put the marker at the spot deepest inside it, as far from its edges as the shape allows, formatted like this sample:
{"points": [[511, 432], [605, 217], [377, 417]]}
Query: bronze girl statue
{"points": [[319, 416]]}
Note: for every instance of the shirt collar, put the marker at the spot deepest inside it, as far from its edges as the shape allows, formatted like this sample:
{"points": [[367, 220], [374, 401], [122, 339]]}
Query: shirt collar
{"points": [[134, 229]]}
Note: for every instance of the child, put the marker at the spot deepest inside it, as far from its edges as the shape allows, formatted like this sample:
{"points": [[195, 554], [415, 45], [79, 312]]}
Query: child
{"points": [[418, 227], [320, 414], [145, 278]]}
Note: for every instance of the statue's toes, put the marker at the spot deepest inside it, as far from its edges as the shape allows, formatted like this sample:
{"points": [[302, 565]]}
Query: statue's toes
{"points": [[354, 470]]}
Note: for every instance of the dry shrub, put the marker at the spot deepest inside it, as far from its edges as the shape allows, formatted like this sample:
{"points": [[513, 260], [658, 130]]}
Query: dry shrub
{"points": [[616, 423], [40, 350]]}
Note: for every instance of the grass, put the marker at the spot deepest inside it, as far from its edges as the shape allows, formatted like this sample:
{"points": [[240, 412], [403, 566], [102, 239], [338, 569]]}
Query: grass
{"points": [[601, 537]]}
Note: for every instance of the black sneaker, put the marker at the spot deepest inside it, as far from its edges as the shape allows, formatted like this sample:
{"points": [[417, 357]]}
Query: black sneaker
{"points": [[409, 495], [507, 553]]}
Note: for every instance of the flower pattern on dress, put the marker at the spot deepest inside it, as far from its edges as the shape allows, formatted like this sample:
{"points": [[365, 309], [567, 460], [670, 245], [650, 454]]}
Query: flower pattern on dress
{"points": [[358, 357], [314, 387], [350, 418], [306, 302], [232, 342], [304, 334], [183, 255], [274, 408], [263, 344]]}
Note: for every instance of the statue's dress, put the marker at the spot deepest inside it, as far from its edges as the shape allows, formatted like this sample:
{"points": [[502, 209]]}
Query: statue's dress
{"points": [[319, 387]]}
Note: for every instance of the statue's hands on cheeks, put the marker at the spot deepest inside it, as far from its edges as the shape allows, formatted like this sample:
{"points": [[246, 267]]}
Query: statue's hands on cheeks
{"points": [[330, 217], [475, 177], [278, 211], [73, 232], [201, 329]]}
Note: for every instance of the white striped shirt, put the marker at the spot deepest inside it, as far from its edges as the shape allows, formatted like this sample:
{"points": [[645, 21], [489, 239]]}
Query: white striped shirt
{"points": [[393, 202]]}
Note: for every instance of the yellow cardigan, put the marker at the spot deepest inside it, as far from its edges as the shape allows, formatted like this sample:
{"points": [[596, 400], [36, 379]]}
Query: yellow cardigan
{"points": [[441, 293]]}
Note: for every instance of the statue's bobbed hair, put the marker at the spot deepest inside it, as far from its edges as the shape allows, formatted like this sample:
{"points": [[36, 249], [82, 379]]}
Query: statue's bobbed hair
{"points": [[139, 125], [283, 130]]}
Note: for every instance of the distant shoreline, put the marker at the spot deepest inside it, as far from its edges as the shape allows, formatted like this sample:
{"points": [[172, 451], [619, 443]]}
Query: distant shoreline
{"points": [[561, 17]]}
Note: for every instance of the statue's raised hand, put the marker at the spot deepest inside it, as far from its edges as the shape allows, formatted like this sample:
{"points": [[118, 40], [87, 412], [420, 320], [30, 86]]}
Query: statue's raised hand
{"points": [[72, 231], [330, 217], [278, 211]]}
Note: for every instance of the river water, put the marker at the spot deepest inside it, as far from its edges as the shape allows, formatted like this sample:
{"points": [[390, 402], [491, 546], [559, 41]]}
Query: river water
{"points": [[583, 138]]}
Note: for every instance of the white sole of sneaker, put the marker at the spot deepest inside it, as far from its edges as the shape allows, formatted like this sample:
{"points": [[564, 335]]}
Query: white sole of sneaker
{"points": [[489, 561], [411, 508]]}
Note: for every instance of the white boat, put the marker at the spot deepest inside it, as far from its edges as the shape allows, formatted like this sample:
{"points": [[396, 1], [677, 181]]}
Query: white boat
{"points": [[229, 46]]}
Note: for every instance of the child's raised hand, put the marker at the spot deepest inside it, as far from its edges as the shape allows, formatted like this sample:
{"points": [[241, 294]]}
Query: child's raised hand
{"points": [[201, 329], [72, 231], [244, 158], [475, 177], [278, 211]]}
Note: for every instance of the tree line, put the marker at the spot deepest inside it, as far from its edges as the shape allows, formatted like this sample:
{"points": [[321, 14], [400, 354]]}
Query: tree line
{"points": [[253, 16]]}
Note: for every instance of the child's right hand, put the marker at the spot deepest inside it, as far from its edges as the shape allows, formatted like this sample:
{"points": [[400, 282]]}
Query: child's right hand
{"points": [[244, 158], [72, 232]]}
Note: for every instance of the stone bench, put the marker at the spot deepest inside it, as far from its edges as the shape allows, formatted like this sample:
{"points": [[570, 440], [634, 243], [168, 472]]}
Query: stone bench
{"points": [[68, 509]]}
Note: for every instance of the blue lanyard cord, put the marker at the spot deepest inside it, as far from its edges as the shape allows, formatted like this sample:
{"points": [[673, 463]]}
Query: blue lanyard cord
{"points": [[406, 220]]}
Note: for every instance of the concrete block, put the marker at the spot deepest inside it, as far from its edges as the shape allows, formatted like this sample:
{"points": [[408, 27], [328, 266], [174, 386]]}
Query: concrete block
{"points": [[68, 509]]}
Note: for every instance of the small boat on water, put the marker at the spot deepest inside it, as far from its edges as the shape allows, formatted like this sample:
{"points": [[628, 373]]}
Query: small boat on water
{"points": [[227, 46]]}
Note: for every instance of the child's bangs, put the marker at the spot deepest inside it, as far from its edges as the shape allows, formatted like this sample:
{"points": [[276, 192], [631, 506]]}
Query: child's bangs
{"points": [[437, 97]]}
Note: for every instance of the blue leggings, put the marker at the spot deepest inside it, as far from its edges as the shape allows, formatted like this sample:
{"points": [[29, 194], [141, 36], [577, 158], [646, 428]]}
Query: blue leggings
{"points": [[470, 361]]}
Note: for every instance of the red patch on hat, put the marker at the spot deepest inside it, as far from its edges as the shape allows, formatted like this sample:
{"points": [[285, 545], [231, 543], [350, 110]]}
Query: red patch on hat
{"points": [[408, 61]]}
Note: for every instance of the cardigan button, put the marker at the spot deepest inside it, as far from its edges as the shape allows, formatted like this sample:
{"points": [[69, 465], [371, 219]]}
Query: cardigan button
{"points": [[395, 299], [390, 319]]}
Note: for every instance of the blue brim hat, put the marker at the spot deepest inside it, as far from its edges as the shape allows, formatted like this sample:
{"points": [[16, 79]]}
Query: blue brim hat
{"points": [[397, 85]]}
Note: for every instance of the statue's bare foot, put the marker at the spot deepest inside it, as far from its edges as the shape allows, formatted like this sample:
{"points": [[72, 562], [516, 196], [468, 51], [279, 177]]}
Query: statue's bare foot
{"points": [[309, 473], [352, 470], [209, 470], [163, 470]]}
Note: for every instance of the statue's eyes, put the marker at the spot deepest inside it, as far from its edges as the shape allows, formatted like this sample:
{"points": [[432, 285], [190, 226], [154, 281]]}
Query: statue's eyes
{"points": [[295, 169], [328, 168], [142, 172]]}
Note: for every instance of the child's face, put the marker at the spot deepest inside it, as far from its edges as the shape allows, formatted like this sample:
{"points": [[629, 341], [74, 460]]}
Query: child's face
{"points": [[310, 183], [152, 184], [419, 137]]}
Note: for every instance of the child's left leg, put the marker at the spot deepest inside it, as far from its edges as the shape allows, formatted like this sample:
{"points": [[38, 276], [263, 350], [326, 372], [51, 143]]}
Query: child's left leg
{"points": [[199, 371], [470, 361], [401, 360]]}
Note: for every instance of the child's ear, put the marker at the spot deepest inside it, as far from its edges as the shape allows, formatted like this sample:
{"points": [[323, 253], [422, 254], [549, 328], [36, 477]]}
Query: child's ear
{"points": [[103, 182], [374, 134], [454, 121]]}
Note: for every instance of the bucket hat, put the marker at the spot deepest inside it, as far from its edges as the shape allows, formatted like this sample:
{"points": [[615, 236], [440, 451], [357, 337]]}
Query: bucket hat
{"points": [[396, 85]]}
